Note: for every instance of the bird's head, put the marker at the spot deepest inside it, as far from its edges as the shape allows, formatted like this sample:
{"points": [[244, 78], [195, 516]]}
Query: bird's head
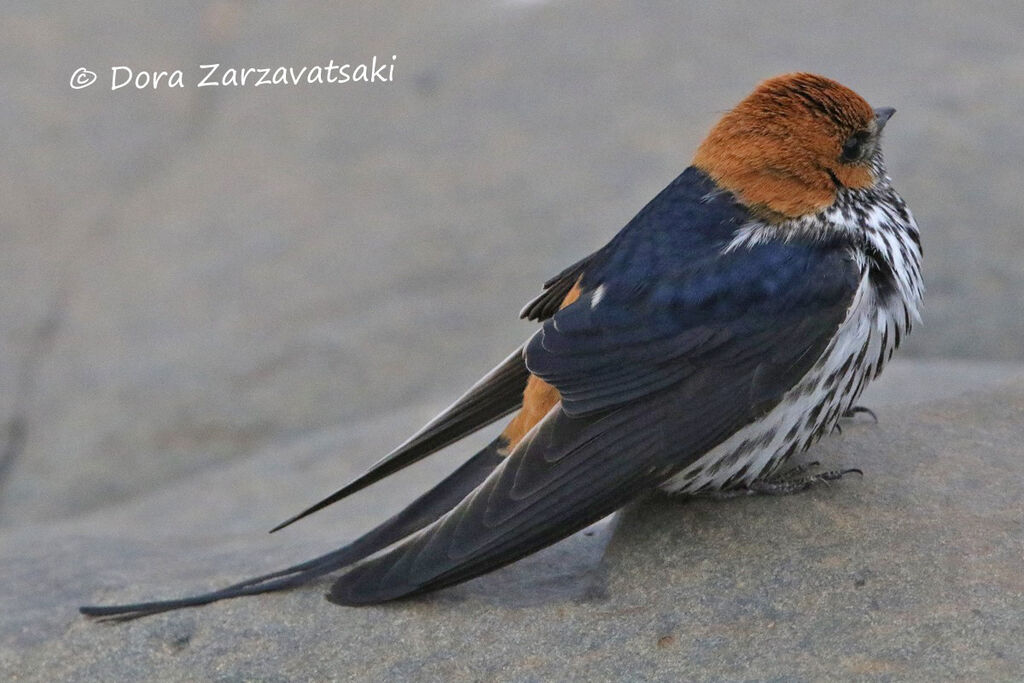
{"points": [[793, 144]]}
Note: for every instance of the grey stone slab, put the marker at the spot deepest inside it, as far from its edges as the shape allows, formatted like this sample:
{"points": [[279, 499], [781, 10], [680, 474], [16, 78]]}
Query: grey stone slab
{"points": [[913, 572]]}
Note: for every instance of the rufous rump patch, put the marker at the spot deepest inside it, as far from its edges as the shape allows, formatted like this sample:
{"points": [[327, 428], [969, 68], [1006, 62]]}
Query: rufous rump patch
{"points": [[539, 397], [571, 296]]}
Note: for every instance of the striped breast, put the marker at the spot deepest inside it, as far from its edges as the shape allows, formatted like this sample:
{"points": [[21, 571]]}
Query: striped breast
{"points": [[879, 318]]}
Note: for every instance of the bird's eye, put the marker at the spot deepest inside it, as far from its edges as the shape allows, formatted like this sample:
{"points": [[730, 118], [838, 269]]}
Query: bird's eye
{"points": [[853, 148]]}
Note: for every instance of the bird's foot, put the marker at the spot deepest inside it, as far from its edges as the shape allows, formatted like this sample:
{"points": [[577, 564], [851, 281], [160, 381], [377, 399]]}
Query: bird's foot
{"points": [[798, 479], [793, 472], [794, 480]]}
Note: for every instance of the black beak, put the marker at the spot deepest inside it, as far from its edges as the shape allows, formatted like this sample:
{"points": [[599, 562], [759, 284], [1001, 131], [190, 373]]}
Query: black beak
{"points": [[883, 114]]}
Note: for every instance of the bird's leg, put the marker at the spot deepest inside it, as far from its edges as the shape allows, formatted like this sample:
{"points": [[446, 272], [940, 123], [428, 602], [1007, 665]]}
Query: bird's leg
{"points": [[793, 480], [787, 483], [793, 472]]}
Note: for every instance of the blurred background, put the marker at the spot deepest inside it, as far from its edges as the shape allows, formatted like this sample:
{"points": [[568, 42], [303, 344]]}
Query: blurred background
{"points": [[190, 276]]}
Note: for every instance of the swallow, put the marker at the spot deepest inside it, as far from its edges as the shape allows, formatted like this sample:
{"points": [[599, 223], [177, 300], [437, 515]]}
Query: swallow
{"points": [[728, 326]]}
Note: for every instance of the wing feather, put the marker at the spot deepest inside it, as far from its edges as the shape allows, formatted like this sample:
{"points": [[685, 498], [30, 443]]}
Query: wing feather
{"points": [[496, 395], [634, 411], [548, 302], [566, 475]]}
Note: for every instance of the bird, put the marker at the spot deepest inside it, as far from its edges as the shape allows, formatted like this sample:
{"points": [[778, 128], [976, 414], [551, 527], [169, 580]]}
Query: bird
{"points": [[732, 323]]}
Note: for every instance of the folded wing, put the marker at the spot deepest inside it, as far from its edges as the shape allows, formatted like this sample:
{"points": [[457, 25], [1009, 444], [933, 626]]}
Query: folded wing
{"points": [[651, 378]]}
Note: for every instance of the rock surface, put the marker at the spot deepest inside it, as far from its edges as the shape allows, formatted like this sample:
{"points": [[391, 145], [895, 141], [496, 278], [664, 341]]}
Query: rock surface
{"points": [[217, 303], [914, 572]]}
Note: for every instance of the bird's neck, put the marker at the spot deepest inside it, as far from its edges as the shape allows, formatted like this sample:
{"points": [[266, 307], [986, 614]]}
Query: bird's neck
{"points": [[879, 228]]}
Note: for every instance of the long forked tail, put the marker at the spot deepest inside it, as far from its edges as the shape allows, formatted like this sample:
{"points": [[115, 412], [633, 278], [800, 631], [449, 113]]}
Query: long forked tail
{"points": [[422, 512], [497, 394]]}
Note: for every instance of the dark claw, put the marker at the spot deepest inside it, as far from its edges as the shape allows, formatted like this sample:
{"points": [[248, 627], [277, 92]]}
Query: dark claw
{"points": [[856, 410]]}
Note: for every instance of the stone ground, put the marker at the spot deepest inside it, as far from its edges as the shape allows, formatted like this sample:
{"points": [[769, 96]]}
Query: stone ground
{"points": [[209, 295]]}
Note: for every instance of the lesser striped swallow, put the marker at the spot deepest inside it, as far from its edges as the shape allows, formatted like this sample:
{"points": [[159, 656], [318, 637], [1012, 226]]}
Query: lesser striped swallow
{"points": [[729, 325]]}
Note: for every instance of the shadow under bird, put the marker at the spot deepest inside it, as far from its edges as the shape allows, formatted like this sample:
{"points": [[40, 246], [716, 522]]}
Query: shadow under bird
{"points": [[733, 322]]}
